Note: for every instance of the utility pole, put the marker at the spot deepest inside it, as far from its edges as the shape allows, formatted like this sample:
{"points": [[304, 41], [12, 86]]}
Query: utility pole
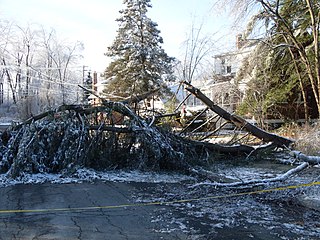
{"points": [[94, 87], [84, 83], [83, 73]]}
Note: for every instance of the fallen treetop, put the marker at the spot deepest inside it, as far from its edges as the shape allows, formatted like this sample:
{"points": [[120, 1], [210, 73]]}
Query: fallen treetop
{"points": [[74, 136], [239, 121]]}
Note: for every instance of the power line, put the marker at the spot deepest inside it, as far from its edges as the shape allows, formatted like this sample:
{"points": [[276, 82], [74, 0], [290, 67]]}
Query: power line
{"points": [[159, 203]]}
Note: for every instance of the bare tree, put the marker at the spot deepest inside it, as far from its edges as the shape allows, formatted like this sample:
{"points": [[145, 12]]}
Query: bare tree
{"points": [[56, 62], [48, 74], [62, 56], [27, 49], [197, 47], [6, 45]]}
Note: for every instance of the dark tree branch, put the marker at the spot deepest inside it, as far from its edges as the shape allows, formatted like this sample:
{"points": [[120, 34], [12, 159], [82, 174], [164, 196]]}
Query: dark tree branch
{"points": [[239, 121]]}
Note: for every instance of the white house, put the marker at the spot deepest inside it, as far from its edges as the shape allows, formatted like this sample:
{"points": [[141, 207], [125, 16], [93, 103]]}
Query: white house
{"points": [[221, 87]]}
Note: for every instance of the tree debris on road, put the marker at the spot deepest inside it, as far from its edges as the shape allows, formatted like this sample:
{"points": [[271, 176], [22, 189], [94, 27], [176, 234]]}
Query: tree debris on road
{"points": [[113, 136]]}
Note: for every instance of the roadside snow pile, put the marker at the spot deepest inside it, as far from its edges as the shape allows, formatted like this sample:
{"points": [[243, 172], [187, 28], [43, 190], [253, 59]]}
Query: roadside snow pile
{"points": [[90, 175]]}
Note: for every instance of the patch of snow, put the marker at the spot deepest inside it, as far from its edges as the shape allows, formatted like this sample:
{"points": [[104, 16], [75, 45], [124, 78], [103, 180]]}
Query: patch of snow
{"points": [[217, 225], [8, 120]]}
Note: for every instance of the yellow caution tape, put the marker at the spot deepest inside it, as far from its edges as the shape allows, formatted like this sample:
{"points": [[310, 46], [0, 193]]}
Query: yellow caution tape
{"points": [[157, 203]]}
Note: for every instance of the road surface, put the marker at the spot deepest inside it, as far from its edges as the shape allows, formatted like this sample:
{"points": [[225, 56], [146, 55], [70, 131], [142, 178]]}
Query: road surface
{"points": [[120, 210], [54, 221]]}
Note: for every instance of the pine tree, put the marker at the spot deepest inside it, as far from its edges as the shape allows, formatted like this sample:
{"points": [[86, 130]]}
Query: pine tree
{"points": [[139, 64]]}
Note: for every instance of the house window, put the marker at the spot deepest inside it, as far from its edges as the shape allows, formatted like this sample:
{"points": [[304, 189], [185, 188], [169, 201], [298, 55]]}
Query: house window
{"points": [[228, 69]]}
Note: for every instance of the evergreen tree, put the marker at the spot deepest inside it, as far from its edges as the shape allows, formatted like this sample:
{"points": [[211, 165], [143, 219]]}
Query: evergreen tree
{"points": [[139, 64]]}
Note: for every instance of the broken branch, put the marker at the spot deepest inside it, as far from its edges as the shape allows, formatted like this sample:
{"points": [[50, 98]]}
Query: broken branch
{"points": [[256, 182]]}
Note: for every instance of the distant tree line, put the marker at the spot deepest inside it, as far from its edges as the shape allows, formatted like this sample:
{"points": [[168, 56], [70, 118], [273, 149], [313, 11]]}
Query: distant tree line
{"points": [[37, 68]]}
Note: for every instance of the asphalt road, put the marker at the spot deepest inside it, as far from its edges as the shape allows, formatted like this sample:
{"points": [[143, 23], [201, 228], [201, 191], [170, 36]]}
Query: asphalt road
{"points": [[120, 210], [55, 221]]}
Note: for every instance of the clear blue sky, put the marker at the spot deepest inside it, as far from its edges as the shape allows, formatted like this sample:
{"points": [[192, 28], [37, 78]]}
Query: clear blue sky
{"points": [[93, 22]]}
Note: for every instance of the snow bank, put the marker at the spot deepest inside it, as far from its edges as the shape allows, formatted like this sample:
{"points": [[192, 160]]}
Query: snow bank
{"points": [[89, 175]]}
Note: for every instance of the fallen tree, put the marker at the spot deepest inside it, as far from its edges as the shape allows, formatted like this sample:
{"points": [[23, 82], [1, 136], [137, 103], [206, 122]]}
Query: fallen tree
{"points": [[75, 136]]}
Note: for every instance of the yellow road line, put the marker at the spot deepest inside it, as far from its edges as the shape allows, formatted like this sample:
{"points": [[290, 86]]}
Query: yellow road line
{"points": [[158, 203]]}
